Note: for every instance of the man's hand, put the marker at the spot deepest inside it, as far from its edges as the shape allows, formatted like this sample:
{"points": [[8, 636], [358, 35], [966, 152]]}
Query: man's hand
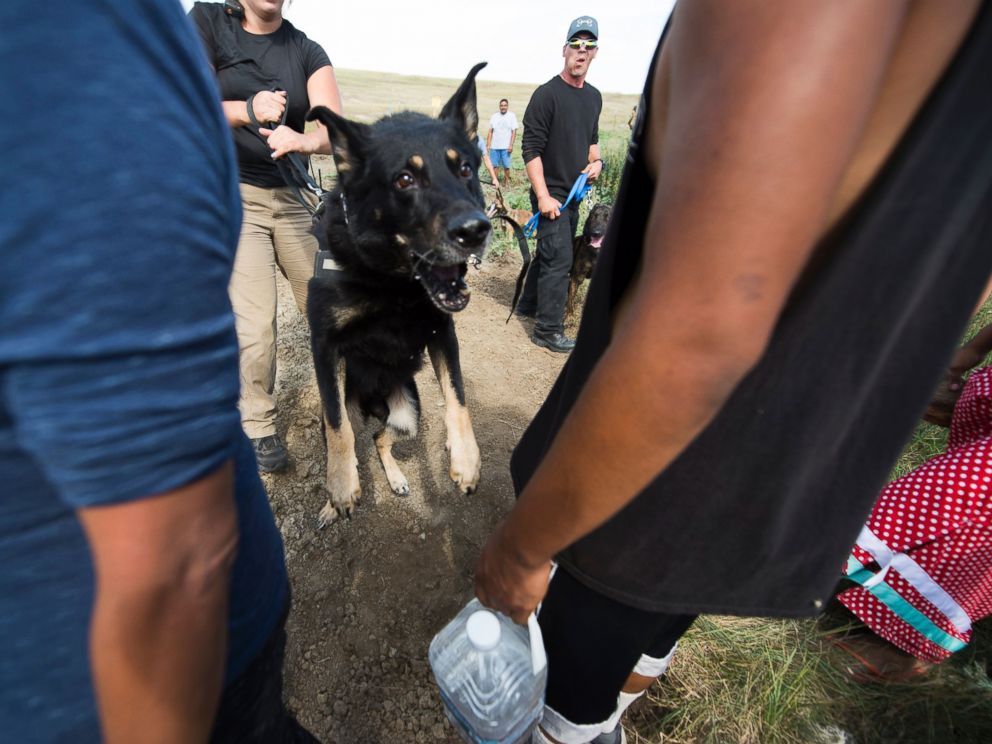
{"points": [[967, 357], [268, 105], [549, 206], [941, 407], [593, 170], [284, 140], [504, 582]]}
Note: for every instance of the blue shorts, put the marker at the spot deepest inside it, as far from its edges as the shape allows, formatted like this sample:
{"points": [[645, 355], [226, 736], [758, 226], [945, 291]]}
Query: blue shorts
{"points": [[500, 158]]}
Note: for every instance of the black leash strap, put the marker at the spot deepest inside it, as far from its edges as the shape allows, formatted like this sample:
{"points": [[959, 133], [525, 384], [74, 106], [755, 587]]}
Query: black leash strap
{"points": [[291, 167], [518, 233]]}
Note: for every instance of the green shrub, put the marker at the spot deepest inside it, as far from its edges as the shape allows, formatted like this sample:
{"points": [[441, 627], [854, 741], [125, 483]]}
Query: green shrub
{"points": [[614, 154]]}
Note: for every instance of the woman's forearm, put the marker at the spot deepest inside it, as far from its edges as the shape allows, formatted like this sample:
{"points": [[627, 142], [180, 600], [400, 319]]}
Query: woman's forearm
{"points": [[236, 113]]}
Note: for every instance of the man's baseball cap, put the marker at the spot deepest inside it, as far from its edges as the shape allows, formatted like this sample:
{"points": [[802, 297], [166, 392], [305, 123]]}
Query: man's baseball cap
{"points": [[583, 23]]}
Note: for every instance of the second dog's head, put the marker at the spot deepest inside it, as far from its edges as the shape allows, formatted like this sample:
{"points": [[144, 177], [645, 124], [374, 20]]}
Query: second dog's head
{"points": [[414, 204], [595, 228]]}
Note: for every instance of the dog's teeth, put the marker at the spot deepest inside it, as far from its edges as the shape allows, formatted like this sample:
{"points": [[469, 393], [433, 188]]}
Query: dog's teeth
{"points": [[417, 277], [443, 296]]}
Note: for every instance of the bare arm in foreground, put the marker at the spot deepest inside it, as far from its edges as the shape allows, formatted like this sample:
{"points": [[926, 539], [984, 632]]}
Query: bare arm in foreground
{"points": [[745, 177], [158, 638]]}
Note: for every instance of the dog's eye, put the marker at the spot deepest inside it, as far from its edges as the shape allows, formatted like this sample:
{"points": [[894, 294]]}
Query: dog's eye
{"points": [[405, 181], [465, 170]]}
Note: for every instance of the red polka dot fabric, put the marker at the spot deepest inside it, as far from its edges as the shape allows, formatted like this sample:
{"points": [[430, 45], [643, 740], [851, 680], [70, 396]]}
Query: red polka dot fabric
{"points": [[939, 515]]}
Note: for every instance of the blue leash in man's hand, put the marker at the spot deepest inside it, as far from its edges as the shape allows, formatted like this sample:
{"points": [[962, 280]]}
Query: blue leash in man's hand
{"points": [[579, 189]]}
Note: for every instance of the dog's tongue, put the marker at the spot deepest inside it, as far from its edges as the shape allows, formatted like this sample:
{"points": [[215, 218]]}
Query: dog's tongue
{"points": [[596, 242]]}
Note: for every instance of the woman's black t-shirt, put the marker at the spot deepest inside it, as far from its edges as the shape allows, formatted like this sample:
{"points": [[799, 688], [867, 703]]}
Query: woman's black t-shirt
{"points": [[248, 63]]}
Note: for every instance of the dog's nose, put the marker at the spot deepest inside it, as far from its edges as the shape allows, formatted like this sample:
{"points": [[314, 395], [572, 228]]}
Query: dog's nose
{"points": [[470, 231]]}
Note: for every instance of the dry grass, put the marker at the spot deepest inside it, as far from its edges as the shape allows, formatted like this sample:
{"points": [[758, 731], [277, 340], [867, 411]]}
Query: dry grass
{"points": [[366, 96], [369, 95]]}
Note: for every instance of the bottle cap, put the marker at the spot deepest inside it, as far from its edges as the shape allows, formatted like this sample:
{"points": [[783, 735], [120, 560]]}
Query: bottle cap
{"points": [[483, 630]]}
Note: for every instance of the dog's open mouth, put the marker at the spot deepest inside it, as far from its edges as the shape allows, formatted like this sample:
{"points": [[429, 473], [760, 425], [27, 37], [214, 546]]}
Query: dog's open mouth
{"points": [[596, 241], [446, 286]]}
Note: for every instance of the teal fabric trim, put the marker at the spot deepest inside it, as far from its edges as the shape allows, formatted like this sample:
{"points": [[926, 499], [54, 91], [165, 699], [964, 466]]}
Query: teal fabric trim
{"points": [[892, 599]]}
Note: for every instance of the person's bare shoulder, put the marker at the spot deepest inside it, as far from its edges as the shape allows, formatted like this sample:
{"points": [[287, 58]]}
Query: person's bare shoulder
{"points": [[930, 32]]}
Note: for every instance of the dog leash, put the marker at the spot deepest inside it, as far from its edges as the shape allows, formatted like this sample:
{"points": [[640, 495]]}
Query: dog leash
{"points": [[518, 233], [579, 190], [291, 167]]}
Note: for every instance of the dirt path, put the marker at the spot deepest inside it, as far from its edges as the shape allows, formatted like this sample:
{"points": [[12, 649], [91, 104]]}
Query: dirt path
{"points": [[370, 592]]}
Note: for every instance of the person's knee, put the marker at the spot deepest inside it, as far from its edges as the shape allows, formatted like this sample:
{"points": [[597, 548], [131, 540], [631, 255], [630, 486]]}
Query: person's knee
{"points": [[637, 683], [255, 328], [558, 255]]}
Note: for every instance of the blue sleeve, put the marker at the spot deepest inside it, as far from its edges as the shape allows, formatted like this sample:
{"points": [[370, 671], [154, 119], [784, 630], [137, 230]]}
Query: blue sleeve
{"points": [[118, 358]]}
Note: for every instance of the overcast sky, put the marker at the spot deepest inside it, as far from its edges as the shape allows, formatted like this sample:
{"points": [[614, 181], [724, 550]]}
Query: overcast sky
{"points": [[521, 39]]}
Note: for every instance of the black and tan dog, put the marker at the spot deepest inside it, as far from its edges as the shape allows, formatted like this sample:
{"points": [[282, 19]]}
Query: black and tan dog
{"points": [[400, 228], [499, 208], [585, 251]]}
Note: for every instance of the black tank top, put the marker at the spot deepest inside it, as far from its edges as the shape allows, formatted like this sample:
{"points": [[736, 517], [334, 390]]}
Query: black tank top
{"points": [[757, 514]]}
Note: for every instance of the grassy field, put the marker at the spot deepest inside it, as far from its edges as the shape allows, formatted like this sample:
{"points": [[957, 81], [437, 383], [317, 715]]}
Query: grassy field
{"points": [[368, 95], [746, 681]]}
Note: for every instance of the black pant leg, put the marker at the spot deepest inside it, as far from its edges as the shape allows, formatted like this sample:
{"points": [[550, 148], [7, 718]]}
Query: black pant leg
{"points": [[251, 709], [593, 643], [554, 255]]}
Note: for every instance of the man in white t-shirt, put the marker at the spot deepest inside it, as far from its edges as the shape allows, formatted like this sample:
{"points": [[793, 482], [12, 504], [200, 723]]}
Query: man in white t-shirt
{"points": [[502, 135]]}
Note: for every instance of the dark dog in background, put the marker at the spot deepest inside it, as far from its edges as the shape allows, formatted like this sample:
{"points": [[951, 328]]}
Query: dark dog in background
{"points": [[399, 230], [585, 251]]}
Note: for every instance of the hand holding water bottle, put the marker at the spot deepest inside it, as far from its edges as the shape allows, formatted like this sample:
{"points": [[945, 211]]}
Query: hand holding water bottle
{"points": [[506, 581]]}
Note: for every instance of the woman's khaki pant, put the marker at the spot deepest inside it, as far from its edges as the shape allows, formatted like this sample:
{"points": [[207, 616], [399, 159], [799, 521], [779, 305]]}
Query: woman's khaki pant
{"points": [[275, 232]]}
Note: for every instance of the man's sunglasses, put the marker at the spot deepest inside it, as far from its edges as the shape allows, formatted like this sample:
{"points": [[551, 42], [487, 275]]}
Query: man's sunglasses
{"points": [[583, 43]]}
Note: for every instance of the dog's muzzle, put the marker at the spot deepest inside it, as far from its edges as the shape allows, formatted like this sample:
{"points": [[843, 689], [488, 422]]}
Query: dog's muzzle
{"points": [[444, 278]]}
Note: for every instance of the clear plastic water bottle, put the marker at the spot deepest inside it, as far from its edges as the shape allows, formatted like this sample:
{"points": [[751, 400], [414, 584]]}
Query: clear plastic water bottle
{"points": [[491, 673]]}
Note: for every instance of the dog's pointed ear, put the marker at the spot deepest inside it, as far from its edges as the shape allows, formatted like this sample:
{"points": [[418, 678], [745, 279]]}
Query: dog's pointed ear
{"points": [[461, 109], [349, 139]]}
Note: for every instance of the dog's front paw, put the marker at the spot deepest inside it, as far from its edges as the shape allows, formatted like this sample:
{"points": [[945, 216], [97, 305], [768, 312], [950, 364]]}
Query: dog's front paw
{"points": [[399, 484], [337, 507], [466, 464], [345, 491]]}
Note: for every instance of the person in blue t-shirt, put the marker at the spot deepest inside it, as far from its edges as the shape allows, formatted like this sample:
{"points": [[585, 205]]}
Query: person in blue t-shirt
{"points": [[144, 589]]}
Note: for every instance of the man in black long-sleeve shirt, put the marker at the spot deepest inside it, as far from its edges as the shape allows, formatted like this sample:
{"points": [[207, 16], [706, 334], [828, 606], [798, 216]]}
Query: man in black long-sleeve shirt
{"points": [[561, 140]]}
